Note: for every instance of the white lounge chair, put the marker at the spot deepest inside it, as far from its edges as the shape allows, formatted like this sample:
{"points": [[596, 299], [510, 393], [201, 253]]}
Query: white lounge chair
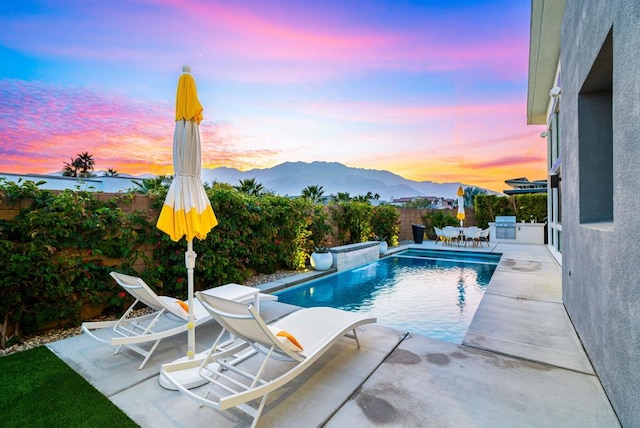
{"points": [[131, 332], [168, 317], [301, 337]]}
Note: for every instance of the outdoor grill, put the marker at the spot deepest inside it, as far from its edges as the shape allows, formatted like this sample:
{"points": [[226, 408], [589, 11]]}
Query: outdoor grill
{"points": [[506, 227]]}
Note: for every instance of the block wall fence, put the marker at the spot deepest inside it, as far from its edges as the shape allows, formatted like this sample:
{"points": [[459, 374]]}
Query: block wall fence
{"points": [[408, 216]]}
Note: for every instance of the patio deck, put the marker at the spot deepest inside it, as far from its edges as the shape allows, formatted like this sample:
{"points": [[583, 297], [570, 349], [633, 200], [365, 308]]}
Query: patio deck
{"points": [[521, 364]]}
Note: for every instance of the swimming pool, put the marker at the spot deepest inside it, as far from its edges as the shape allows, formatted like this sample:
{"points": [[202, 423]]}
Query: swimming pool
{"points": [[429, 292]]}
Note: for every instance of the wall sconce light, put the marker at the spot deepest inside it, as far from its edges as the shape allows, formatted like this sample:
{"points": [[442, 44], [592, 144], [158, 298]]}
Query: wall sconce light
{"points": [[554, 92], [544, 134]]}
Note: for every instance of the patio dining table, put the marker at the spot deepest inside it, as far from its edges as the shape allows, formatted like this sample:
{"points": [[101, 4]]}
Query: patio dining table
{"points": [[464, 233]]}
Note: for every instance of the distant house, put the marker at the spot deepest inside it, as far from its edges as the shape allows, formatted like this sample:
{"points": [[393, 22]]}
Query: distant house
{"points": [[445, 203], [431, 202], [107, 184], [400, 202], [584, 86], [522, 186]]}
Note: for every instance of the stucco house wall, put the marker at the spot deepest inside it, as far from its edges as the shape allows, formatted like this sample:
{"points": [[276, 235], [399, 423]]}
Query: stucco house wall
{"points": [[98, 184], [600, 127]]}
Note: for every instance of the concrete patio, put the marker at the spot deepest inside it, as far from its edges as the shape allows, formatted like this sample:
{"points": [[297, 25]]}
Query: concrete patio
{"points": [[521, 364]]}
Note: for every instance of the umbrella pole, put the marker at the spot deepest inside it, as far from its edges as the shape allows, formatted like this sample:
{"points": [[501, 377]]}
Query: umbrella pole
{"points": [[189, 377], [190, 262]]}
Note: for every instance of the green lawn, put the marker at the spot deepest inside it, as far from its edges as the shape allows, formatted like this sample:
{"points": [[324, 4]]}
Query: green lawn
{"points": [[37, 389]]}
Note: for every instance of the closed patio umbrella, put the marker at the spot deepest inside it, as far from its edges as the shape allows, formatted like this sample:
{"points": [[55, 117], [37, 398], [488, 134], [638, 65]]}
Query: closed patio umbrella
{"points": [[460, 214], [187, 211]]}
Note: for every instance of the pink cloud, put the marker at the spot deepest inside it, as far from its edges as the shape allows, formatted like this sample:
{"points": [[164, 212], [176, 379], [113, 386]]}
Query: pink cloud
{"points": [[45, 125]]}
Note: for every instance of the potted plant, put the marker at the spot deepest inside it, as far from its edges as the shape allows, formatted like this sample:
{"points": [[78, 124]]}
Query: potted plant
{"points": [[321, 258]]}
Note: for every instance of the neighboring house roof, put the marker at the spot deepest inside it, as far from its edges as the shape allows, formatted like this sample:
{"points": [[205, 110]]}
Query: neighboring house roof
{"points": [[404, 199], [522, 185], [524, 191], [433, 200]]}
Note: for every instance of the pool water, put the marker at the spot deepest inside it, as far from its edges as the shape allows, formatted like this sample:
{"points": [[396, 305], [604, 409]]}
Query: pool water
{"points": [[429, 292]]}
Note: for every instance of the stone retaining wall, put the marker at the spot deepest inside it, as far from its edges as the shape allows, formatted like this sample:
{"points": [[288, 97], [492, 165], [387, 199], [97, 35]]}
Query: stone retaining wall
{"points": [[349, 256]]}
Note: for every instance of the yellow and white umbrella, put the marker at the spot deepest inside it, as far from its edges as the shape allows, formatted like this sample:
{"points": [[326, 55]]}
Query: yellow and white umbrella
{"points": [[460, 214], [187, 211]]}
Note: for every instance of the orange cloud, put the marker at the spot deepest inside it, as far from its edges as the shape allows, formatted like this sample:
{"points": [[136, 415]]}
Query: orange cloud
{"points": [[46, 125]]}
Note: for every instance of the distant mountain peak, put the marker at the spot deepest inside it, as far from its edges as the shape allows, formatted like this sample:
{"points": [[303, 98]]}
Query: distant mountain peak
{"points": [[289, 178]]}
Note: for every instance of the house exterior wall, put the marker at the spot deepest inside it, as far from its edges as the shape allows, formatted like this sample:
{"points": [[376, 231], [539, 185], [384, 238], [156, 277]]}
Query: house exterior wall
{"points": [[601, 257], [97, 184]]}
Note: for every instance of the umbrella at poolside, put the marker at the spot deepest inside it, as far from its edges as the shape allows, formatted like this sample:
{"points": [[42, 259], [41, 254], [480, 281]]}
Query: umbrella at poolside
{"points": [[187, 211], [460, 205]]}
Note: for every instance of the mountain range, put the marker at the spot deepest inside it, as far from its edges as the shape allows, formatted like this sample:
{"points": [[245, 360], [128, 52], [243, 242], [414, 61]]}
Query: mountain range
{"points": [[290, 178]]}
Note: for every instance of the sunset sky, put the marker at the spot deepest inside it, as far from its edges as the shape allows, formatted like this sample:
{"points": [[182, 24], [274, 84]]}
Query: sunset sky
{"points": [[430, 90]]}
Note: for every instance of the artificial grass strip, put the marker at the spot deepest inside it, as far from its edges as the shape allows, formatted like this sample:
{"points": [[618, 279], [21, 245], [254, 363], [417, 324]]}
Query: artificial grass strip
{"points": [[37, 389]]}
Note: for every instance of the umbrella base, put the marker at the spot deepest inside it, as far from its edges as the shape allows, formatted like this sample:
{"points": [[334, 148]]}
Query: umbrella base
{"points": [[188, 378]]}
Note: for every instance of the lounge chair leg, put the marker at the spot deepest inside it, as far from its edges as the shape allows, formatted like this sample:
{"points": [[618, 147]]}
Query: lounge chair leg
{"points": [[259, 410], [354, 336], [153, 348]]}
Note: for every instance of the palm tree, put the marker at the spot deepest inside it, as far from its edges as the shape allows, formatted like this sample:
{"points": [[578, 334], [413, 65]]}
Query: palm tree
{"points": [[80, 166], [149, 184], [250, 187], [85, 164], [362, 198], [342, 197], [69, 169], [314, 193], [112, 173]]}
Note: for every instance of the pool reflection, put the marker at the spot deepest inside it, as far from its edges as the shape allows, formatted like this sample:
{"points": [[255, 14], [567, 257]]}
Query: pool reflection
{"points": [[429, 296]]}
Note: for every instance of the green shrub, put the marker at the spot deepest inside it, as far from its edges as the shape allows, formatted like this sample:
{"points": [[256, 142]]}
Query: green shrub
{"points": [[439, 219], [385, 223], [318, 227], [353, 221], [524, 207], [255, 234], [531, 207], [53, 253]]}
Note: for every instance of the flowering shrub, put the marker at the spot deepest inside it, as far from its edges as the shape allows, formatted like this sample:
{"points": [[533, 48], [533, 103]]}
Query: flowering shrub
{"points": [[53, 253], [59, 249]]}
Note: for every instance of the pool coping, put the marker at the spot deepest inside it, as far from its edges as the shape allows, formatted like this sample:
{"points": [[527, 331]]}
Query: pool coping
{"points": [[280, 284]]}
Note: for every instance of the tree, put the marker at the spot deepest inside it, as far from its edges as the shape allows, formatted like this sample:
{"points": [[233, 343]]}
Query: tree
{"points": [[314, 193], [80, 166], [69, 170], [470, 195], [149, 184], [112, 173], [362, 198], [85, 164], [250, 187], [342, 197]]}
